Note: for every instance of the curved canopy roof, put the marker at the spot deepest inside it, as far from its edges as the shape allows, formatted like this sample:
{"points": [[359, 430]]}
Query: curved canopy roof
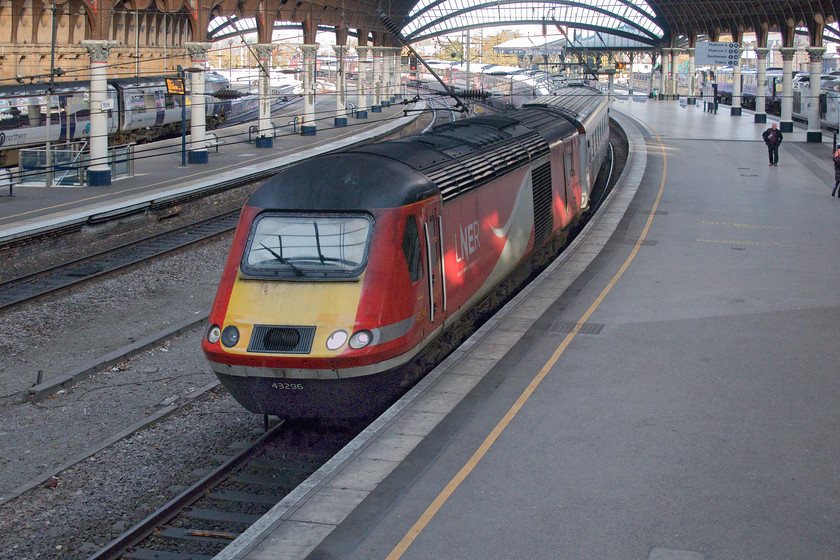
{"points": [[651, 22]]}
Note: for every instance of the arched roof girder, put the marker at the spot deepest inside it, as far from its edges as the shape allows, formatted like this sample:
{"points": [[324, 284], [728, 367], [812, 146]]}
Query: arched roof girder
{"points": [[577, 25], [423, 24]]}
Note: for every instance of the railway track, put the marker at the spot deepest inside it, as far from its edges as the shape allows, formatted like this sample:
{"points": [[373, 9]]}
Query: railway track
{"points": [[207, 516], [25, 288]]}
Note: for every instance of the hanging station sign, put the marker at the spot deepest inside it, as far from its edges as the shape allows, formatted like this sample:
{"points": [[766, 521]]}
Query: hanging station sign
{"points": [[717, 54]]}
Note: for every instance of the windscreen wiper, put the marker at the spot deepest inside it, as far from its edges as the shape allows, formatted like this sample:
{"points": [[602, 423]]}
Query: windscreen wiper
{"points": [[279, 256]]}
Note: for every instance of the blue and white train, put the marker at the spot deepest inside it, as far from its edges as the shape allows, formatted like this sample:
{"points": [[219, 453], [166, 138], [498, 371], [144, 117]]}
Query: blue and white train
{"points": [[140, 110]]}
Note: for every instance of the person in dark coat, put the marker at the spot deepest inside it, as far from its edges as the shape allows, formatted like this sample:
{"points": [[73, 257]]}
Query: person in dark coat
{"points": [[773, 137], [836, 172]]}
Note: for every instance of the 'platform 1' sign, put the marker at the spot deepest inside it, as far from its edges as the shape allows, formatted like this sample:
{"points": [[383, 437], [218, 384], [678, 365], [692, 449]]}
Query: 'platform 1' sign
{"points": [[717, 54]]}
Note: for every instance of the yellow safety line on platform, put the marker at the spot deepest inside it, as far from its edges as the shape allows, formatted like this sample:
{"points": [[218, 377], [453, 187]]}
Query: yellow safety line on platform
{"points": [[206, 172], [488, 442]]}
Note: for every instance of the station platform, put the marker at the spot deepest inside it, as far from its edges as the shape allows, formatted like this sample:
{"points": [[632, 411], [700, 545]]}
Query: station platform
{"points": [[158, 172], [666, 390]]}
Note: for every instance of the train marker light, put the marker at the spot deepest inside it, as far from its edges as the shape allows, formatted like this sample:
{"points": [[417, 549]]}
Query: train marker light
{"points": [[336, 340], [360, 339], [214, 333], [230, 336]]}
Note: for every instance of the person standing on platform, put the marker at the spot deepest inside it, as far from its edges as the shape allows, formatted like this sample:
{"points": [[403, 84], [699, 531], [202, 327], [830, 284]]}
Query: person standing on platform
{"points": [[773, 137], [836, 172]]}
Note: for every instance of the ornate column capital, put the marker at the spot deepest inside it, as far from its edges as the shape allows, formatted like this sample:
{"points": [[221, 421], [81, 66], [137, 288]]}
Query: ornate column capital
{"points": [[816, 53], [362, 51], [691, 51], [99, 50], [340, 50], [762, 52], [198, 51], [787, 53], [377, 51], [310, 51]]}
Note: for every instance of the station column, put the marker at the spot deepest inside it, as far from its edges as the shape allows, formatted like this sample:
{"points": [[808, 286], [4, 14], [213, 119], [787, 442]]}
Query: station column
{"points": [[376, 58], [675, 53], [664, 70], [99, 173], [396, 90], [362, 52], [814, 125], [761, 84], [692, 79], [198, 103], [340, 86], [265, 138], [650, 77], [308, 127], [786, 124]]}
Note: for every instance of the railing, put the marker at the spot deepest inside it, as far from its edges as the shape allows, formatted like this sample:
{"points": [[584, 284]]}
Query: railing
{"points": [[70, 162], [255, 129]]}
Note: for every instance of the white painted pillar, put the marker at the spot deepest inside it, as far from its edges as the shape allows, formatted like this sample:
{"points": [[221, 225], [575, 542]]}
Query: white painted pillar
{"points": [[815, 69], [675, 54], [376, 57], [99, 172], [786, 123], [663, 73], [265, 137], [761, 84], [198, 103], [310, 52], [362, 81], [340, 86], [650, 77], [396, 90], [692, 79]]}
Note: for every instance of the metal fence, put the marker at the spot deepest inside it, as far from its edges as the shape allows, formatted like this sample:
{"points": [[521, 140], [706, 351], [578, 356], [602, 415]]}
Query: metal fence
{"points": [[70, 162]]}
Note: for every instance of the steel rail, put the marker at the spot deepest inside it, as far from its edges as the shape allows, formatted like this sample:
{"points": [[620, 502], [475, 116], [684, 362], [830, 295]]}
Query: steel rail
{"points": [[71, 273], [174, 507]]}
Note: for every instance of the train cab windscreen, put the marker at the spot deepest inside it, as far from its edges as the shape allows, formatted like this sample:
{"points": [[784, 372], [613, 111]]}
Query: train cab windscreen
{"points": [[309, 246]]}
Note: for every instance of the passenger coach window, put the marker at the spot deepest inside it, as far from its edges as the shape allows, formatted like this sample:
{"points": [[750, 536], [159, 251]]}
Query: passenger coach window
{"points": [[411, 249]]}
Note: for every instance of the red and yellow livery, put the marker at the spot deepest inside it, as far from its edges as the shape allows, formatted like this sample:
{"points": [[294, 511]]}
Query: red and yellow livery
{"points": [[343, 268]]}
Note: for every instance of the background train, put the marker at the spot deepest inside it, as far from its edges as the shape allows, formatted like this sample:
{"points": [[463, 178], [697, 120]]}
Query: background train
{"points": [[142, 111], [829, 93], [344, 268]]}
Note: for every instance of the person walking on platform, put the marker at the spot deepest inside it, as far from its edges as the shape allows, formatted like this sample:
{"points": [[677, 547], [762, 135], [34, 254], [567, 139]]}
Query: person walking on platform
{"points": [[773, 137], [836, 172]]}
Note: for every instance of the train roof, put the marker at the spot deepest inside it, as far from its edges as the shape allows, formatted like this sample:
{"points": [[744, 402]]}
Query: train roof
{"points": [[40, 88], [451, 159], [577, 102]]}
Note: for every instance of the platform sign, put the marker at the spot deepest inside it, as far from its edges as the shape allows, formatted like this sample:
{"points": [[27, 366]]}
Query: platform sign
{"points": [[717, 54], [175, 86], [108, 105]]}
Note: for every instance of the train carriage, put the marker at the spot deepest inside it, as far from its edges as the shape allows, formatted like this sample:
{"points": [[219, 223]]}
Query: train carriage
{"points": [[344, 268], [140, 109]]}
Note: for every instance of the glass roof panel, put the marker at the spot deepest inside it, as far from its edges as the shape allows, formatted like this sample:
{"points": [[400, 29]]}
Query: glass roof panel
{"points": [[437, 17]]}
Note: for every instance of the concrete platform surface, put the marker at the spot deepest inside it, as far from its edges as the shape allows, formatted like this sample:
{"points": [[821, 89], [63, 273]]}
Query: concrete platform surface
{"points": [[666, 390]]}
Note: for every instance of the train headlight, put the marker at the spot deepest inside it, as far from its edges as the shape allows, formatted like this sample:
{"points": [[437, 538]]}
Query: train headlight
{"points": [[336, 340], [214, 333], [360, 339], [230, 336]]}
